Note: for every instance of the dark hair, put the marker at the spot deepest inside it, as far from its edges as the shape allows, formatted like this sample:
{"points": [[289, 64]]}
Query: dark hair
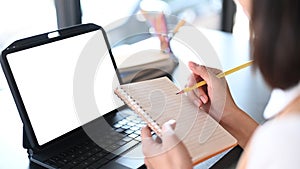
{"points": [[275, 37]]}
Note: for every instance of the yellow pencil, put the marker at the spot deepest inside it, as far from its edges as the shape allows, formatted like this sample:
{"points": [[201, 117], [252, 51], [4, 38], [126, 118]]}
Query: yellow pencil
{"points": [[178, 26], [220, 75]]}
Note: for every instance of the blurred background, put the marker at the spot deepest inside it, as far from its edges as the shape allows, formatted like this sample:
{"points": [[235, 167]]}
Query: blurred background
{"points": [[22, 18]]}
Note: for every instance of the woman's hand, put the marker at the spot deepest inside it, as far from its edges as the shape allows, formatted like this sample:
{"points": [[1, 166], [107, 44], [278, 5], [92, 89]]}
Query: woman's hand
{"points": [[215, 98], [246, 5], [167, 152]]}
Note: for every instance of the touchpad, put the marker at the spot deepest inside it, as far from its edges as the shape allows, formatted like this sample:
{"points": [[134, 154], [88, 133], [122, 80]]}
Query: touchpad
{"points": [[133, 158]]}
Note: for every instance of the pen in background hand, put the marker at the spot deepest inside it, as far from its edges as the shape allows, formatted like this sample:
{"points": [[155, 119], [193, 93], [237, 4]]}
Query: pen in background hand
{"points": [[162, 30], [178, 26], [220, 75]]}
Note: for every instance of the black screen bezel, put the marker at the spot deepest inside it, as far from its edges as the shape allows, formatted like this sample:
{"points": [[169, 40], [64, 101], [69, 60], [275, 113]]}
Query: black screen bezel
{"points": [[36, 41]]}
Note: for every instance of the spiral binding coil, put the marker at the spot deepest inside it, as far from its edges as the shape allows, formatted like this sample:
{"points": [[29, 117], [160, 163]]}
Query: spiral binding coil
{"points": [[134, 105]]}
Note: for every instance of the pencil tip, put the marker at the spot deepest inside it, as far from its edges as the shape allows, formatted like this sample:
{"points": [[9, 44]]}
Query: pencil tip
{"points": [[179, 92]]}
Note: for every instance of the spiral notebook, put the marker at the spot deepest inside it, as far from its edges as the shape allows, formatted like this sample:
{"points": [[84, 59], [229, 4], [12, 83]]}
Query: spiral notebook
{"points": [[156, 102]]}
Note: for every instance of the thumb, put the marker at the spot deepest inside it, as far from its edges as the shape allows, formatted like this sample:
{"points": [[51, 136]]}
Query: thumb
{"points": [[169, 126], [169, 138], [146, 132], [149, 146]]}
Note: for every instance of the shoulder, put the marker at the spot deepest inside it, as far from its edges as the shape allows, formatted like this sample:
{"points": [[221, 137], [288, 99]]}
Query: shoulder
{"points": [[276, 144], [287, 125]]}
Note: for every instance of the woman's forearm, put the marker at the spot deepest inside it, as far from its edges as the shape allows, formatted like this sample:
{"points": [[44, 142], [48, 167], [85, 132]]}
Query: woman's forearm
{"points": [[240, 125]]}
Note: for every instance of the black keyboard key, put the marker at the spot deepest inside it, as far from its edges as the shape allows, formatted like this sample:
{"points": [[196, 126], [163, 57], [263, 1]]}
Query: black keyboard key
{"points": [[64, 161], [121, 142], [101, 154], [88, 154], [117, 137], [87, 147], [131, 124], [91, 155], [119, 130], [67, 166], [133, 135], [110, 156], [127, 139], [99, 163], [134, 128], [139, 138], [81, 166], [94, 158], [124, 121], [69, 158], [52, 163], [130, 118], [112, 147], [91, 167], [88, 162], [79, 152], [140, 125], [117, 125], [81, 158], [63, 155], [125, 127], [128, 131], [108, 142], [125, 147], [138, 132], [136, 121], [55, 159], [96, 150], [76, 162]]}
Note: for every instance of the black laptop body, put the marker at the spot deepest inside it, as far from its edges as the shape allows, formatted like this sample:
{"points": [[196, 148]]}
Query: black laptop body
{"points": [[51, 79]]}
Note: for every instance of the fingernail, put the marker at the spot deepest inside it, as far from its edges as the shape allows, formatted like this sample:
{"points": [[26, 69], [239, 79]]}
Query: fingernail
{"points": [[193, 65], [197, 103], [203, 99], [172, 121], [169, 126]]}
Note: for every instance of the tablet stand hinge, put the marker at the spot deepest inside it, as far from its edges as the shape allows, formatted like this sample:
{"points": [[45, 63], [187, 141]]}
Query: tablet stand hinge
{"points": [[30, 153], [26, 144]]}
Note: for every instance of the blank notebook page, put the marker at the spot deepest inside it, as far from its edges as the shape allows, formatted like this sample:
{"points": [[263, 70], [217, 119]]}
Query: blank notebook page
{"points": [[201, 134]]}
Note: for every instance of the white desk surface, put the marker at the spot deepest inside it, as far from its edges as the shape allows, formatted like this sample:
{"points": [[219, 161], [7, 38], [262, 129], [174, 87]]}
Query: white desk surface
{"points": [[248, 89]]}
